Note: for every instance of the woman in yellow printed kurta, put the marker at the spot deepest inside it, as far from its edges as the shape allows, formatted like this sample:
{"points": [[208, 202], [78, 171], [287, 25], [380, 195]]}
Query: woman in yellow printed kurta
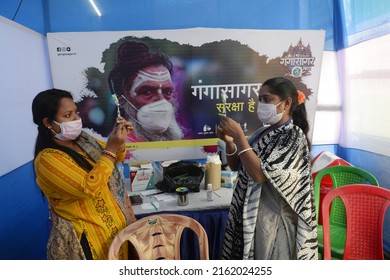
{"points": [[77, 173], [82, 198]]}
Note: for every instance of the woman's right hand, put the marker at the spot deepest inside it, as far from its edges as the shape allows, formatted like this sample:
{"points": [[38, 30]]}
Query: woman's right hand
{"points": [[229, 130], [221, 135], [118, 135]]}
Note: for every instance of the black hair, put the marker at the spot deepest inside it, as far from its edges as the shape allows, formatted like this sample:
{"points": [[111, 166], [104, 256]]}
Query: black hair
{"points": [[45, 105], [284, 88]]}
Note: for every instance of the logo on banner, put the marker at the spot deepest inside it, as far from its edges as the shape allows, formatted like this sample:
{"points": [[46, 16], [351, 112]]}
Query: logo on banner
{"points": [[62, 51], [298, 60], [206, 130]]}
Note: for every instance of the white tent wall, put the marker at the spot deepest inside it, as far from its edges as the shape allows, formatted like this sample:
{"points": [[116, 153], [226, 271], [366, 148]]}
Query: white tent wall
{"points": [[365, 84], [25, 71], [365, 127], [326, 130]]}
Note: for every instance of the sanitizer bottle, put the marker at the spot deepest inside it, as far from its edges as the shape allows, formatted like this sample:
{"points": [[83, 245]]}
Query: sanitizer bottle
{"points": [[209, 192]]}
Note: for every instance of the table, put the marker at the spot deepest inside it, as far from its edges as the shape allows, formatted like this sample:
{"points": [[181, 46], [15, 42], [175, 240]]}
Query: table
{"points": [[212, 215]]}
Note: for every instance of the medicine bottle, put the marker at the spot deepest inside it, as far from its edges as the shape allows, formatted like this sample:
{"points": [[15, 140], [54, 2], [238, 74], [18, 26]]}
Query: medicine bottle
{"points": [[209, 192]]}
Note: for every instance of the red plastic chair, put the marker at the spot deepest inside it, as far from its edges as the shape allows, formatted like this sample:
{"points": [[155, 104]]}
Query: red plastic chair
{"points": [[339, 176], [365, 207]]}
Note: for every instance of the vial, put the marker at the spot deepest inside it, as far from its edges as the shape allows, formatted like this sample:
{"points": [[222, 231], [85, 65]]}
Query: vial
{"points": [[209, 192], [182, 198]]}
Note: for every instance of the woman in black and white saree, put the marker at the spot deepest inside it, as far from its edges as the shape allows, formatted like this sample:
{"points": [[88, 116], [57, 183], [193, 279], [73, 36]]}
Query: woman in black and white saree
{"points": [[272, 214]]}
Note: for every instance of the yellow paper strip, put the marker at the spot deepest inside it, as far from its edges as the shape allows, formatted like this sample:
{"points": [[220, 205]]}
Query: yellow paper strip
{"points": [[171, 144]]}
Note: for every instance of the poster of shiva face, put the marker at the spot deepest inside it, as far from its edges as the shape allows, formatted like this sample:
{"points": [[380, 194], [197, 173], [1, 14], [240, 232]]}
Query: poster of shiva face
{"points": [[174, 85]]}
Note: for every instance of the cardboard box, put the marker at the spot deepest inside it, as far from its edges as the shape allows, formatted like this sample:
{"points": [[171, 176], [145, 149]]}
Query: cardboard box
{"points": [[228, 178], [141, 176]]}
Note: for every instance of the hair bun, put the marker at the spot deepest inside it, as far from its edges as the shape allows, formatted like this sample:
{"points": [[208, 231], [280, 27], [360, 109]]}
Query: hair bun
{"points": [[131, 57], [132, 53]]}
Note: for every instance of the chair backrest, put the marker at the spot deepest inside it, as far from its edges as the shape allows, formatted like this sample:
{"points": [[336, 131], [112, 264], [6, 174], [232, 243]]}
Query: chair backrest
{"points": [[365, 207], [158, 237], [341, 175]]}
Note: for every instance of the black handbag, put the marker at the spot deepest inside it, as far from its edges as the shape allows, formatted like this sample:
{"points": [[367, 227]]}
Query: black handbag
{"points": [[187, 174]]}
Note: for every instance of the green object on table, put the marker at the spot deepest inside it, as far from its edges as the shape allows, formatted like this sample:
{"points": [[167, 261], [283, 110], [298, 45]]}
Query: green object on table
{"points": [[154, 206]]}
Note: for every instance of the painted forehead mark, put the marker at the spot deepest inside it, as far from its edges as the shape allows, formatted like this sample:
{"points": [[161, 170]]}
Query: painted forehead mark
{"points": [[155, 75], [150, 76]]}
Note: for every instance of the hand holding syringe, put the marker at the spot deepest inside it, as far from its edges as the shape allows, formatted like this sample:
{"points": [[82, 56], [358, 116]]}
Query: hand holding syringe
{"points": [[224, 104], [223, 113], [116, 102], [118, 113]]}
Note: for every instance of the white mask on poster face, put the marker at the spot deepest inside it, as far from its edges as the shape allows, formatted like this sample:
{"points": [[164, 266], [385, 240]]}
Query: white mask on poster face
{"points": [[69, 130], [266, 112], [154, 117]]}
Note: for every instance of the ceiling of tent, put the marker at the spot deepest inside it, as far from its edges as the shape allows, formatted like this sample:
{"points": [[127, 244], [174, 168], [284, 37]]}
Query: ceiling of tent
{"points": [[117, 15], [346, 22]]}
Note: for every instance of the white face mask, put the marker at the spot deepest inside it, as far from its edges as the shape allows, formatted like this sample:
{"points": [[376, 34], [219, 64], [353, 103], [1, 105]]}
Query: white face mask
{"points": [[266, 112], [154, 117], [69, 130]]}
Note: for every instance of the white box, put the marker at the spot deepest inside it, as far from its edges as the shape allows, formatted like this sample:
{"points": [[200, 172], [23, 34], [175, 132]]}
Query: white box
{"points": [[228, 178], [141, 176]]}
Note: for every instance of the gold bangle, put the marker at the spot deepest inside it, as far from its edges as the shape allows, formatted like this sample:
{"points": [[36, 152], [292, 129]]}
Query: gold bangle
{"points": [[111, 154], [243, 151]]}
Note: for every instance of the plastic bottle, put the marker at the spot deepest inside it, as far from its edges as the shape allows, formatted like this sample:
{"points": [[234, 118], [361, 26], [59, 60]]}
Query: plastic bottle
{"points": [[213, 172], [210, 192]]}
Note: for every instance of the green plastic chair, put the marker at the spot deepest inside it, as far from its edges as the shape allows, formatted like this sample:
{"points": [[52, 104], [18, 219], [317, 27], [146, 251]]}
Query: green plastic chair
{"points": [[340, 175]]}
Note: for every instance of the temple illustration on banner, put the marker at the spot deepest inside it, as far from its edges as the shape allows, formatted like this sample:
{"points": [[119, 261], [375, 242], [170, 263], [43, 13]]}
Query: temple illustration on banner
{"points": [[298, 60]]}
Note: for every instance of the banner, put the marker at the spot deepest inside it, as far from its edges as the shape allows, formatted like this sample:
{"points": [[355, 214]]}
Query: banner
{"points": [[214, 72]]}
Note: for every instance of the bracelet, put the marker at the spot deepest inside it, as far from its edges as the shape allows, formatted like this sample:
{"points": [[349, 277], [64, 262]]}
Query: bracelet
{"points": [[124, 149], [243, 151], [111, 154], [235, 150]]}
